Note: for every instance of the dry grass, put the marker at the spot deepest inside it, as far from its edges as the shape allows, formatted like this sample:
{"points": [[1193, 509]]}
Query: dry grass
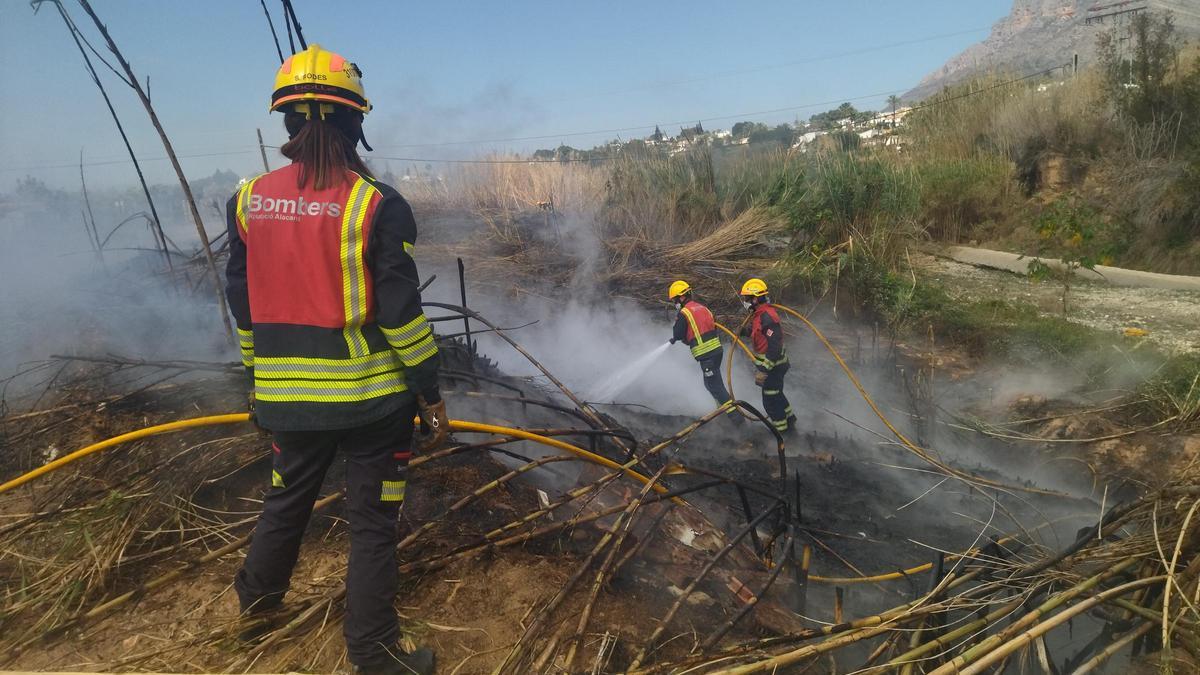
{"points": [[512, 186], [730, 241]]}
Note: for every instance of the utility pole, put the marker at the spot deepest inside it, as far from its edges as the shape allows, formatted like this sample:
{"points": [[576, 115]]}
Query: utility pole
{"points": [[263, 149], [183, 183]]}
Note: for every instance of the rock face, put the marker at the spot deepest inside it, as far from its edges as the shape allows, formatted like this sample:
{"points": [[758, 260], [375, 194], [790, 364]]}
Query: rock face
{"points": [[1041, 34]]}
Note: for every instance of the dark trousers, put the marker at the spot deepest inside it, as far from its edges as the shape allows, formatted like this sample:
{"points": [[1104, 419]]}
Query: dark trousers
{"points": [[710, 365], [775, 403], [377, 455]]}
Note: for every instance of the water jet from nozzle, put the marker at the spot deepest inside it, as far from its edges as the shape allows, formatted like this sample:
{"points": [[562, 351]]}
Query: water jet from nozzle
{"points": [[614, 384]]}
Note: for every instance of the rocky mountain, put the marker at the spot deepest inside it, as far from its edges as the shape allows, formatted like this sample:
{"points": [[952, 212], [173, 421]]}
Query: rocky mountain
{"points": [[1041, 34]]}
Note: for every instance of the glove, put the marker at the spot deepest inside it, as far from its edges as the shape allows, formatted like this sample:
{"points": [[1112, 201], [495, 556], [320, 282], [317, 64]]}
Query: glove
{"points": [[434, 423], [673, 340], [254, 415], [760, 377]]}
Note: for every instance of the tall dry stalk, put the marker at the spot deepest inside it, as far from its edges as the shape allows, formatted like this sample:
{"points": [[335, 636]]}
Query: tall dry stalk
{"points": [[160, 237], [133, 82]]}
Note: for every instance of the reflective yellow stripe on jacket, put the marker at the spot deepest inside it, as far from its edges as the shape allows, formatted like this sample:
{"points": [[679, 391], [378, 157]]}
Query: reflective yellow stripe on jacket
{"points": [[294, 378], [243, 203], [767, 364], [702, 346], [413, 341], [246, 343], [354, 272]]}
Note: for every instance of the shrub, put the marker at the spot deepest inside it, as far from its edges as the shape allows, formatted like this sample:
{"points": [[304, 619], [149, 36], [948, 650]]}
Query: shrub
{"points": [[957, 195]]}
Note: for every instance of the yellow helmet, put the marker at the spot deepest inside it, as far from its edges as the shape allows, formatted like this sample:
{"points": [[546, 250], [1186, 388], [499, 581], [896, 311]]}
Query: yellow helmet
{"points": [[755, 287], [677, 289], [319, 75]]}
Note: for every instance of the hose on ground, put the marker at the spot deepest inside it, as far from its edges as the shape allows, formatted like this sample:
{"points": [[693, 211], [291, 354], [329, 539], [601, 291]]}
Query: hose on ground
{"points": [[457, 425], [908, 444], [213, 420]]}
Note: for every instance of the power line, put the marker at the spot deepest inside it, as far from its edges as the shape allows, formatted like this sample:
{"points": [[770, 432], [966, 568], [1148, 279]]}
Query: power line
{"points": [[597, 132], [997, 85], [776, 66], [125, 161], [567, 160], [742, 115]]}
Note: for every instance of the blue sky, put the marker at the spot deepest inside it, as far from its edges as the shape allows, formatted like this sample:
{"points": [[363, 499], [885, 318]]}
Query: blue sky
{"points": [[446, 72]]}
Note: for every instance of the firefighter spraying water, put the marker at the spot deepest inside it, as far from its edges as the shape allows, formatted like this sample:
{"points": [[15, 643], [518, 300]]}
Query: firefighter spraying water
{"points": [[696, 327]]}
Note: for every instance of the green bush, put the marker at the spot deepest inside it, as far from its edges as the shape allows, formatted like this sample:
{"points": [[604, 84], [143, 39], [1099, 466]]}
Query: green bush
{"points": [[839, 195], [957, 195]]}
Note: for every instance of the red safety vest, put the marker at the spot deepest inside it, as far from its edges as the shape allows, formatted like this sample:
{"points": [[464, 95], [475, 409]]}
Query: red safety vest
{"points": [[702, 329], [314, 340], [757, 338], [304, 262]]}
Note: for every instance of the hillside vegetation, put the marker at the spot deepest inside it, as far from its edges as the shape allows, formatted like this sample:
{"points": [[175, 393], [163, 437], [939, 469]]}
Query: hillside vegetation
{"points": [[1102, 167], [1114, 150]]}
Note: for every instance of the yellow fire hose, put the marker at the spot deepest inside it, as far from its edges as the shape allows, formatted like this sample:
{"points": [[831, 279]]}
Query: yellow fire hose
{"points": [[123, 438], [457, 425], [904, 440], [729, 364], [913, 447], [234, 418]]}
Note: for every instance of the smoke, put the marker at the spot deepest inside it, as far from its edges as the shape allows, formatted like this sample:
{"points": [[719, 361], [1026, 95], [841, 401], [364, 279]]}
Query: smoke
{"points": [[60, 297], [584, 342], [498, 110]]}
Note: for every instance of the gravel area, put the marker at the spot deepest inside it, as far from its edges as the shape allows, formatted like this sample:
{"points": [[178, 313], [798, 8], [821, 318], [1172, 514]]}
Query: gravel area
{"points": [[1170, 317]]}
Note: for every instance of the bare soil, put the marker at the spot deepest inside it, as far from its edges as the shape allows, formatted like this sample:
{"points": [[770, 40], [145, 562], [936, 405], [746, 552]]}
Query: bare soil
{"points": [[1170, 318]]}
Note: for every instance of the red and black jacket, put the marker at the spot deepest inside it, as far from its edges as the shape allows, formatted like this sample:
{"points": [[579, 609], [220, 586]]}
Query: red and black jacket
{"points": [[323, 287], [696, 327], [766, 338]]}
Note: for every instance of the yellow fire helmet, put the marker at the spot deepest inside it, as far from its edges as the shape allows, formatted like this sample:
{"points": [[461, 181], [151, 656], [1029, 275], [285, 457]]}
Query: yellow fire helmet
{"points": [[319, 75], [754, 287], [677, 289]]}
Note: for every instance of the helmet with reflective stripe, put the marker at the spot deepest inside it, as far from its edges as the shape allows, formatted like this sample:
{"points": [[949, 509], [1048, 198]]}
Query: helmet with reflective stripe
{"points": [[319, 75], [754, 287], [677, 289]]}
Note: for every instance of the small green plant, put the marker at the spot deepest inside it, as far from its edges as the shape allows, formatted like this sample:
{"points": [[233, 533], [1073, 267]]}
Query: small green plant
{"points": [[1073, 231], [1174, 391]]}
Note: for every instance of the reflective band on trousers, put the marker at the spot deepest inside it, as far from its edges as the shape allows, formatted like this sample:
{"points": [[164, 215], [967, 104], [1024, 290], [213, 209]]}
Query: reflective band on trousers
{"points": [[354, 273], [393, 491], [702, 346]]}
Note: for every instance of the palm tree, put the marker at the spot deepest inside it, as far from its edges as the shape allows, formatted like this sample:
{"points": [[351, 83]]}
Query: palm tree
{"points": [[894, 102]]}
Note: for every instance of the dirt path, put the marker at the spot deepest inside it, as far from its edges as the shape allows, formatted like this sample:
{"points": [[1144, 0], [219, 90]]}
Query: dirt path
{"points": [[1171, 317], [1115, 276]]}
